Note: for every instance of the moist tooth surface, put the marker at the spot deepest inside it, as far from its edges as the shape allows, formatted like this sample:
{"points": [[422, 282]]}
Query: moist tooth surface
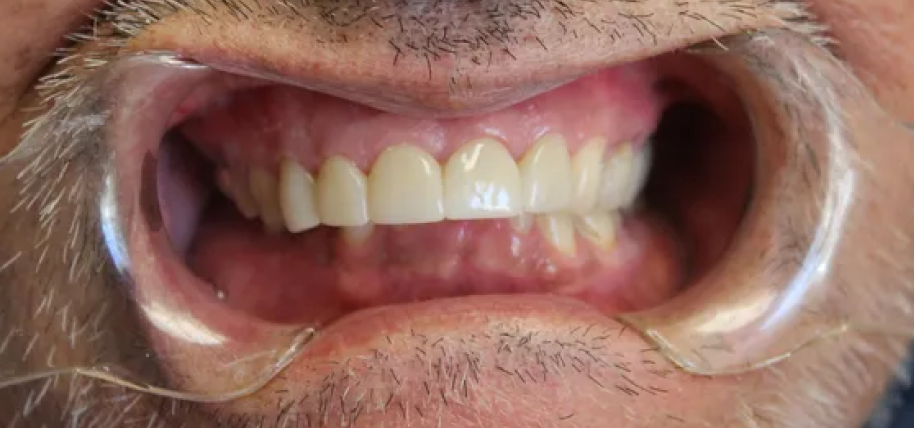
{"points": [[297, 198], [546, 174], [587, 170], [264, 190], [482, 181], [405, 187], [342, 194]]}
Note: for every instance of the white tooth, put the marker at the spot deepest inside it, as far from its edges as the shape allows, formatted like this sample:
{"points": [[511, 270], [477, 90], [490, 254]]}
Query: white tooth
{"points": [[405, 187], [357, 235], [522, 223], [244, 199], [588, 169], [481, 181], [614, 184], [641, 167], [265, 192], [546, 173], [342, 194], [559, 231], [238, 193], [296, 197], [599, 228]]}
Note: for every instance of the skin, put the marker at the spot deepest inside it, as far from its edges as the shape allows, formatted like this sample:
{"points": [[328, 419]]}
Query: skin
{"points": [[836, 383]]}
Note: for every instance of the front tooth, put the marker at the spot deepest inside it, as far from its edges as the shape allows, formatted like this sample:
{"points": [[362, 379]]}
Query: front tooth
{"points": [[599, 228], [342, 194], [264, 191], [588, 169], [559, 231], [405, 187], [546, 174], [641, 167], [481, 181], [614, 184], [296, 197]]}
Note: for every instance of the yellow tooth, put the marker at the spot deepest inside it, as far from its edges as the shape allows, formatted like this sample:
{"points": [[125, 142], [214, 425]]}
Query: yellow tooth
{"points": [[587, 167], [342, 194], [405, 187], [546, 174], [296, 197], [481, 181], [614, 183], [559, 231], [265, 192], [522, 223], [357, 235], [641, 166], [599, 228]]}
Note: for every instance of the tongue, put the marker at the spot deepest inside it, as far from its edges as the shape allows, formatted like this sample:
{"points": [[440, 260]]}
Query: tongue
{"points": [[320, 275]]}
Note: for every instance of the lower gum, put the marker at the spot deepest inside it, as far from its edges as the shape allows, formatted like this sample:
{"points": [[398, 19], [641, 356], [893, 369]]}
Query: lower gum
{"points": [[406, 263]]}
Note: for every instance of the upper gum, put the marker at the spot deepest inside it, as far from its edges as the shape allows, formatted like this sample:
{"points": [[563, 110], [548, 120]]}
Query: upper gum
{"points": [[590, 107]]}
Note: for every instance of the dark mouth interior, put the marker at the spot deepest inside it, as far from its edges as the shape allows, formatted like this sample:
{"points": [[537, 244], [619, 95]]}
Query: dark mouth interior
{"points": [[699, 186]]}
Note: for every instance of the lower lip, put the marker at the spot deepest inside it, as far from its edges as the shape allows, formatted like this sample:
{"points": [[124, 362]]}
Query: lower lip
{"points": [[510, 361]]}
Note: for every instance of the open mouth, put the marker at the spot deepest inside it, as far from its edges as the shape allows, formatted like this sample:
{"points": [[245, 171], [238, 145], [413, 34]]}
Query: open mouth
{"points": [[289, 206]]}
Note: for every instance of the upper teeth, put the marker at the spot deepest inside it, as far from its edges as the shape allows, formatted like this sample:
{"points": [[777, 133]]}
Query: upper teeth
{"points": [[481, 180]]}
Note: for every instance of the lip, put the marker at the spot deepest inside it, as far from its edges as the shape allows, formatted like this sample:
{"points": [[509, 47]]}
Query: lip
{"points": [[170, 281], [163, 285], [312, 56], [437, 363]]}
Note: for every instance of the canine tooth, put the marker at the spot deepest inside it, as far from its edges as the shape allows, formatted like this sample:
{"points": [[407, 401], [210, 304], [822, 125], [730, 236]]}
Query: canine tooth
{"points": [[546, 174], [405, 187], [587, 167], [238, 192], [481, 181], [342, 194], [641, 167], [357, 235], [296, 197], [265, 192], [559, 231], [614, 183], [599, 228]]}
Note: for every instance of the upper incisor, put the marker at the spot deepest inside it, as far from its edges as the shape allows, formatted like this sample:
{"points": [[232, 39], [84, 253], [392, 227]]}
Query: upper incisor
{"points": [[546, 176], [405, 187], [481, 181]]}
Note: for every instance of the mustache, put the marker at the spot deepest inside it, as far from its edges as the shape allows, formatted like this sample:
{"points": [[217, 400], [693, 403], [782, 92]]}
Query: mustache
{"points": [[420, 30]]}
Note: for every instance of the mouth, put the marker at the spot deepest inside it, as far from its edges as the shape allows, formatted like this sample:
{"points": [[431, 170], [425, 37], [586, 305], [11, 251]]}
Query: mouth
{"points": [[273, 205], [273, 198]]}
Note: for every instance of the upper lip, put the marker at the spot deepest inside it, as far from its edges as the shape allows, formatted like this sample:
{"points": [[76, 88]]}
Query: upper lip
{"points": [[442, 82]]}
